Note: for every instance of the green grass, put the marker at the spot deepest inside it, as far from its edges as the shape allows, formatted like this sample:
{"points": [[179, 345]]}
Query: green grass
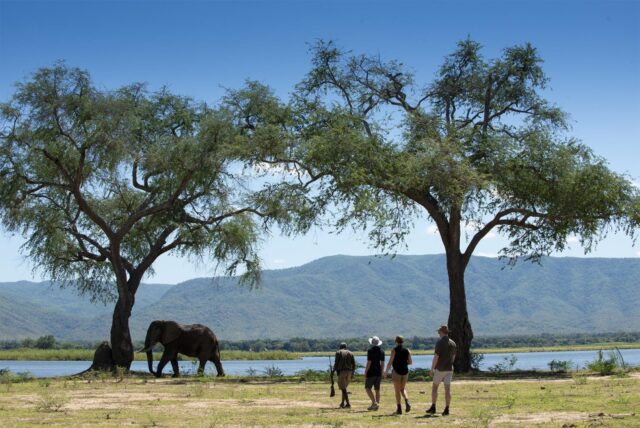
{"points": [[87, 355], [203, 402]]}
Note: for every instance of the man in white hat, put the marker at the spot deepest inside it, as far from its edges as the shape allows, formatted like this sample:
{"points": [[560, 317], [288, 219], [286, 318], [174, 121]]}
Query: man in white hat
{"points": [[373, 371]]}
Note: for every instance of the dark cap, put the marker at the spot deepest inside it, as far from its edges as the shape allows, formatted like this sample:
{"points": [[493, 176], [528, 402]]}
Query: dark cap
{"points": [[444, 329], [343, 345]]}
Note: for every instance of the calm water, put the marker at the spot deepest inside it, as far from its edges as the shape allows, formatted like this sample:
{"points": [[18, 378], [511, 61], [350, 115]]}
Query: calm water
{"points": [[526, 361]]}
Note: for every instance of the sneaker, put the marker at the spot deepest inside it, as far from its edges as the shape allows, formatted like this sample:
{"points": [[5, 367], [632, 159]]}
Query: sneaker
{"points": [[431, 410], [446, 411], [399, 410], [347, 406], [374, 406], [407, 407], [342, 405]]}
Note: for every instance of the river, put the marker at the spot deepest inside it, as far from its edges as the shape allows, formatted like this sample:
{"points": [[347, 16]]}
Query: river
{"points": [[525, 361]]}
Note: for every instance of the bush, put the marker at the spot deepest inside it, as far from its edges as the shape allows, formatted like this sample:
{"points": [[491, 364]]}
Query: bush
{"points": [[560, 366], [273, 371], [313, 375], [419, 374], [606, 366], [45, 342], [476, 360], [507, 364]]}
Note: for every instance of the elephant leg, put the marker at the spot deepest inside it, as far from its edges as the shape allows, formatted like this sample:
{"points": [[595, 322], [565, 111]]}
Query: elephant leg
{"points": [[203, 361], [215, 359], [176, 368], [163, 362]]}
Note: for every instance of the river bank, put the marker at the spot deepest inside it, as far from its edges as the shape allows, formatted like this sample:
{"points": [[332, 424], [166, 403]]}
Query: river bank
{"points": [[31, 354], [503, 362]]}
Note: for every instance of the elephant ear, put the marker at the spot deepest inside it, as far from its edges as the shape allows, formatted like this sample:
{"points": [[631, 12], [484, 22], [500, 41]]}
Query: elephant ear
{"points": [[170, 332]]}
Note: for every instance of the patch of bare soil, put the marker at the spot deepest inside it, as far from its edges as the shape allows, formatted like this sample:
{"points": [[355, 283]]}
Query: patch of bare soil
{"points": [[539, 418], [272, 403], [108, 401], [567, 418]]}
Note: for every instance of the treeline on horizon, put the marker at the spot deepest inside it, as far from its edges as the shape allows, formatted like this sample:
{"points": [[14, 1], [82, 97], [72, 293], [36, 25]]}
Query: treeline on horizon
{"points": [[359, 343]]}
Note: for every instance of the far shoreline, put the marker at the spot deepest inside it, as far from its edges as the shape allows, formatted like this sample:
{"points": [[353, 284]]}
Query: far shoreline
{"points": [[30, 354]]}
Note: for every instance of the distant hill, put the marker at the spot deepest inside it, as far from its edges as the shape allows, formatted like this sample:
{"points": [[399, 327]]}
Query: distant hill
{"points": [[342, 296]]}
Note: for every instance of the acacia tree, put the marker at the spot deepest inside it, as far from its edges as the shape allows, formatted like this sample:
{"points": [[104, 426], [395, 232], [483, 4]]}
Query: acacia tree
{"points": [[477, 150], [102, 183]]}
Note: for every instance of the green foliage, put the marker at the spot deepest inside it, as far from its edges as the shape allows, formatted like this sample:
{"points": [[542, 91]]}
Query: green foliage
{"points": [[560, 366], [103, 182], [476, 360], [606, 366], [273, 371], [478, 146], [507, 364], [310, 375]]}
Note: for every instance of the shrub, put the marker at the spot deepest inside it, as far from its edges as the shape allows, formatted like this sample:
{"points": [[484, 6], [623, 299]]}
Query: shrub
{"points": [[313, 375], [273, 371], [418, 374], [605, 366], [476, 360], [50, 402], [507, 364], [560, 366]]}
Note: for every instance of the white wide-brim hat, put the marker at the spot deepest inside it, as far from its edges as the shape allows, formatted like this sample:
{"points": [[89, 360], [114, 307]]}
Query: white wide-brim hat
{"points": [[375, 341]]}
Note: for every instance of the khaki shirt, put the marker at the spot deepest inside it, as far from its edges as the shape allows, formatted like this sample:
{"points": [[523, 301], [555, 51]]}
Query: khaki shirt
{"points": [[344, 361]]}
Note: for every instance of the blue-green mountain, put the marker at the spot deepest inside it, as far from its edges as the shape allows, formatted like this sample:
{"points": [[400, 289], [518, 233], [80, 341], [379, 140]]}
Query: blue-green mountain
{"points": [[343, 296]]}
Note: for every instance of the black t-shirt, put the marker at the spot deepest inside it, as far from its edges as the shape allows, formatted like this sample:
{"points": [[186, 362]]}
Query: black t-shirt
{"points": [[376, 356], [401, 360]]}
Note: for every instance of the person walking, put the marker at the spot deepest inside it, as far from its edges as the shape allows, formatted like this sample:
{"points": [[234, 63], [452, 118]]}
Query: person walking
{"points": [[442, 369], [400, 360], [345, 366], [373, 371]]}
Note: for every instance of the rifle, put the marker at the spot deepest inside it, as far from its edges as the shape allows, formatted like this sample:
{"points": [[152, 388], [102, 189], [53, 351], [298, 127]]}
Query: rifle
{"points": [[332, 391]]}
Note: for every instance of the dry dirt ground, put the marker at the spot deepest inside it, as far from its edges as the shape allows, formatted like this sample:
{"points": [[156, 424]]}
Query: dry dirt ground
{"points": [[583, 402]]}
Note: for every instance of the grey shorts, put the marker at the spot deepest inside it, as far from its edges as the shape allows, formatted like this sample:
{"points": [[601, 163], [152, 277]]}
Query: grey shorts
{"points": [[442, 376], [373, 382]]}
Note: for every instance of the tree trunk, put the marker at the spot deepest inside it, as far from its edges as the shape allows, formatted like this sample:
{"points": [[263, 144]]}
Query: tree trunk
{"points": [[459, 325], [121, 344]]}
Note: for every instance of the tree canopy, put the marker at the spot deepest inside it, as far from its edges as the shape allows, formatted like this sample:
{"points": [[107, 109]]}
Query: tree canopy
{"points": [[478, 147], [102, 183]]}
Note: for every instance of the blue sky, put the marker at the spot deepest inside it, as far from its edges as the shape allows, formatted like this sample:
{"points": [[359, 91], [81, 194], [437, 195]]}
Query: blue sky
{"points": [[591, 51]]}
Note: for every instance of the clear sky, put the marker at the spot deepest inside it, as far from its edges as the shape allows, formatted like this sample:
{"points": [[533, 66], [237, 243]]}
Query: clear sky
{"points": [[591, 51]]}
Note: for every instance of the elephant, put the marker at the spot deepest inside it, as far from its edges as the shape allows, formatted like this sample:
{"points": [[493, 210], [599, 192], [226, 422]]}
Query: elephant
{"points": [[193, 340]]}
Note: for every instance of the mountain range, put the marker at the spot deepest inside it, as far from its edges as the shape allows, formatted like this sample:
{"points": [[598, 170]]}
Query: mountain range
{"points": [[346, 296]]}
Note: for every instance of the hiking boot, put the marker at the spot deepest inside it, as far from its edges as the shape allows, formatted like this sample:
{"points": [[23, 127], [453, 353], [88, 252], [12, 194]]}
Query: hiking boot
{"points": [[374, 406], [431, 410], [407, 407], [446, 411], [399, 410], [347, 406]]}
